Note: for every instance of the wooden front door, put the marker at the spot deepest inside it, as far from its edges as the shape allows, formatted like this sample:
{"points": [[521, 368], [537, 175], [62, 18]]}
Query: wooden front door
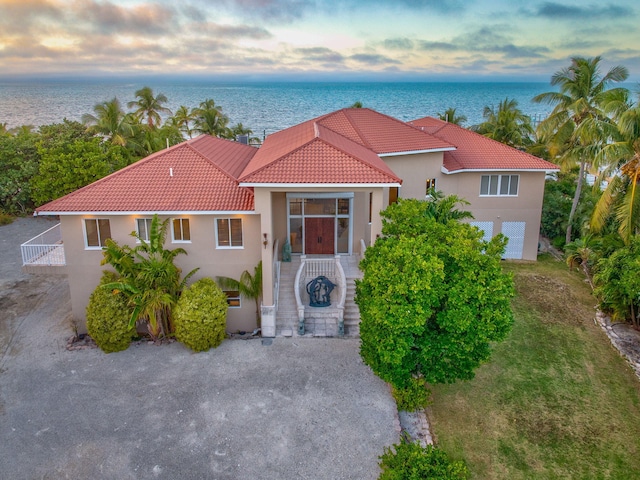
{"points": [[319, 236]]}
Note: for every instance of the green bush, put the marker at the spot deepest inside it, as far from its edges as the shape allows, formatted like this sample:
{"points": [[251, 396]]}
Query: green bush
{"points": [[108, 317], [413, 397], [200, 316], [6, 219], [411, 461]]}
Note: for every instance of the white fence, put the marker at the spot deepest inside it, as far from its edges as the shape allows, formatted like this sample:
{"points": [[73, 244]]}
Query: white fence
{"points": [[44, 249]]}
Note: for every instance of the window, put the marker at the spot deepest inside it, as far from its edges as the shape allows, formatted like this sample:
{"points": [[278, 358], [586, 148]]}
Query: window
{"points": [[430, 184], [180, 230], [499, 185], [233, 298], [393, 195], [97, 231], [229, 232], [143, 226]]}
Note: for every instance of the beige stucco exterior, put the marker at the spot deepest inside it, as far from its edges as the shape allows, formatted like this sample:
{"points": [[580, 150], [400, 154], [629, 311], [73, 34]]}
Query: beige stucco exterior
{"points": [[84, 271]]}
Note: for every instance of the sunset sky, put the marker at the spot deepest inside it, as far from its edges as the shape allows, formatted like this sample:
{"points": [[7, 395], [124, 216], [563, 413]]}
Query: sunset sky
{"points": [[315, 39]]}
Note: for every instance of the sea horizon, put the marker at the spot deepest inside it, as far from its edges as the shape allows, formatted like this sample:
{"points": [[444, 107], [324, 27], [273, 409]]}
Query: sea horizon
{"points": [[265, 106]]}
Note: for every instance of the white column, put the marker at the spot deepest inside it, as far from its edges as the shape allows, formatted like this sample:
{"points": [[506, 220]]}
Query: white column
{"points": [[262, 199]]}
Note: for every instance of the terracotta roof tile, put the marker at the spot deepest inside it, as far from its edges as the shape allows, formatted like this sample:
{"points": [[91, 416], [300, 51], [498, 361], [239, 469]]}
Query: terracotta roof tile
{"points": [[318, 161], [381, 133], [477, 152], [177, 179]]}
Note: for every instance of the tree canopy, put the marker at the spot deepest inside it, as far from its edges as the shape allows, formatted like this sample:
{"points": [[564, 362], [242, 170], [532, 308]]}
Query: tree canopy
{"points": [[433, 297]]}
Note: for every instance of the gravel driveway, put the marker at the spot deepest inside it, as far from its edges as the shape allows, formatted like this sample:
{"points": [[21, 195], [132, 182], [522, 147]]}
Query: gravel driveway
{"points": [[297, 408]]}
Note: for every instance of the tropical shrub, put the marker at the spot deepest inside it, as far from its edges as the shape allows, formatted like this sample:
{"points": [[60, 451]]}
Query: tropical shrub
{"points": [[108, 317], [249, 286], [411, 461], [5, 219], [148, 277], [432, 300], [618, 283], [200, 316]]}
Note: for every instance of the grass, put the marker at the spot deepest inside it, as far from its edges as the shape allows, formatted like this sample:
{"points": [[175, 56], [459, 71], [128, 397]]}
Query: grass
{"points": [[556, 400]]}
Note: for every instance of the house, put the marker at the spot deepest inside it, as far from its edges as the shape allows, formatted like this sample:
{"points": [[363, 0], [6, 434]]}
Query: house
{"points": [[319, 185]]}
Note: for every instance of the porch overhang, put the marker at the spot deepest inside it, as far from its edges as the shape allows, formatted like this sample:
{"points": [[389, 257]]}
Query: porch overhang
{"points": [[320, 185]]}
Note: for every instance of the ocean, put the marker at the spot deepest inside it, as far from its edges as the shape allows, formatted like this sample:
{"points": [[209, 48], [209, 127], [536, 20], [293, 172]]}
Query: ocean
{"points": [[266, 107]]}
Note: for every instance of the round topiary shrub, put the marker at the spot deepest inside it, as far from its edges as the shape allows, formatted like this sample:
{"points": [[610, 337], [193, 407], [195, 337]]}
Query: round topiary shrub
{"points": [[108, 317], [200, 316]]}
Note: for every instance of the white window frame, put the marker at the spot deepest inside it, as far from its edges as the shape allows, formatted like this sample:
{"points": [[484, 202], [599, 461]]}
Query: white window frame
{"points": [[229, 223], [147, 225], [101, 241], [232, 298], [173, 233], [500, 179]]}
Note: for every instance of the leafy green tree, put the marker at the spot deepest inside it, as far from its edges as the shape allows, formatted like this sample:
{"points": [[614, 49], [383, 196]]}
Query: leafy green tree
{"points": [[618, 283], [19, 161], [110, 122], [249, 286], [578, 127], [506, 124], [149, 106], [200, 316], [148, 277], [209, 119], [449, 115], [411, 461], [432, 300], [66, 166], [356, 104]]}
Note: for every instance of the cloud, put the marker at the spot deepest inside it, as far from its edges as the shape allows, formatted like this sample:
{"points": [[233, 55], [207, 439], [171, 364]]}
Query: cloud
{"points": [[400, 43], [373, 59], [320, 54], [560, 11]]}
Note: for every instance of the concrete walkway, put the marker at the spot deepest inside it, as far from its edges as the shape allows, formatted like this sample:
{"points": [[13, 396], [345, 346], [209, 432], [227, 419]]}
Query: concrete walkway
{"points": [[298, 408]]}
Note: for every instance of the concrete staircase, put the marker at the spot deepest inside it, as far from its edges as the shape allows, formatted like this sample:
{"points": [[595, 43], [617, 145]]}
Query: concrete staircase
{"points": [[318, 321]]}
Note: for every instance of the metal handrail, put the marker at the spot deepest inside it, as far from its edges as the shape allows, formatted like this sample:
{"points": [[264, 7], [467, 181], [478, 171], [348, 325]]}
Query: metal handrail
{"points": [[44, 249]]}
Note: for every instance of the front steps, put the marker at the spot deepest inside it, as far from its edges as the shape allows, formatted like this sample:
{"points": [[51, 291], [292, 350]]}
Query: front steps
{"points": [[319, 322]]}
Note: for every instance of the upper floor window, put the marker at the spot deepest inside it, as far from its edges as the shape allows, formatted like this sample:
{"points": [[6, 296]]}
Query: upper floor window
{"points": [[143, 226], [229, 232], [499, 185], [180, 230], [97, 231]]}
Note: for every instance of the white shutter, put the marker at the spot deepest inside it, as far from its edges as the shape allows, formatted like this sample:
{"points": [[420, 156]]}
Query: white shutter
{"points": [[514, 231], [486, 228]]}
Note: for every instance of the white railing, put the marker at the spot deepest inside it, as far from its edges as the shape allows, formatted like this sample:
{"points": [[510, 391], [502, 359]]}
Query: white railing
{"points": [[276, 274], [44, 249], [311, 268], [363, 247]]}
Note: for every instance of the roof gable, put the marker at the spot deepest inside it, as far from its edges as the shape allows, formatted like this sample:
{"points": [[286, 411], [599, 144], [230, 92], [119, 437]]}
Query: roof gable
{"points": [[477, 152], [180, 178]]}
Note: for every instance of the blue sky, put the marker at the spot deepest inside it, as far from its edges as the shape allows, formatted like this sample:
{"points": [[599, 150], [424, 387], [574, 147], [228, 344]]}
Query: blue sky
{"points": [[315, 39]]}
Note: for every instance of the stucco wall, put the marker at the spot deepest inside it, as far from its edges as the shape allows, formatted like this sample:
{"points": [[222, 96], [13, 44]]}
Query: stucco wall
{"points": [[84, 271]]}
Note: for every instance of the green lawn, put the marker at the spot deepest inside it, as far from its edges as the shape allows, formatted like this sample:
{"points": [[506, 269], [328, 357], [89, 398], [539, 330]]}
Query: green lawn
{"points": [[556, 399]]}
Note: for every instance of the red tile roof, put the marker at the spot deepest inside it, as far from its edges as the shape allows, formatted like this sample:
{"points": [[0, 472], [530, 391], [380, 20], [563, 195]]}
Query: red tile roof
{"points": [[477, 152], [190, 177]]}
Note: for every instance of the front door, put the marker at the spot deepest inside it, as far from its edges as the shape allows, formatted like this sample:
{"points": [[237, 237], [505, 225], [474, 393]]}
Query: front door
{"points": [[319, 236]]}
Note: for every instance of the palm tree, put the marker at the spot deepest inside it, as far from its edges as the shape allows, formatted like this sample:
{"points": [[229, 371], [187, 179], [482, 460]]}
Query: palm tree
{"points": [[109, 121], [621, 159], [149, 106], [450, 116], [506, 124], [183, 118], [149, 277], [576, 128], [356, 104], [249, 286], [209, 119], [442, 208]]}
